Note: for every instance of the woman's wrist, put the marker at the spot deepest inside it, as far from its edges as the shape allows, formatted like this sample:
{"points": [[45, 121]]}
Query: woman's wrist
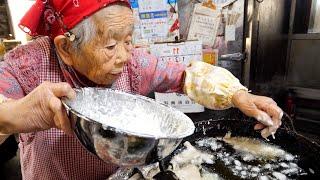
{"points": [[237, 96], [7, 113], [3, 119]]}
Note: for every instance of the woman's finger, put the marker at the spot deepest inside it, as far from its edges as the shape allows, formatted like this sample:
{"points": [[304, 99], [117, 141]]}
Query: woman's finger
{"points": [[265, 133], [60, 117], [274, 112], [252, 111], [62, 89], [259, 126]]}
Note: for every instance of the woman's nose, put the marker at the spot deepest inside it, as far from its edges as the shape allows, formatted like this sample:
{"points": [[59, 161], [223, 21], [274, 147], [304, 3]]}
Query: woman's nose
{"points": [[122, 54]]}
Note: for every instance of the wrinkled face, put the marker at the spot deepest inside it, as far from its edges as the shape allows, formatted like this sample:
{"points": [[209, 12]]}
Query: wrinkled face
{"points": [[103, 58]]}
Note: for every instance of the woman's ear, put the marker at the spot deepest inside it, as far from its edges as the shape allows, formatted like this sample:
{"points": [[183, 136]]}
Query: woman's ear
{"points": [[63, 47]]}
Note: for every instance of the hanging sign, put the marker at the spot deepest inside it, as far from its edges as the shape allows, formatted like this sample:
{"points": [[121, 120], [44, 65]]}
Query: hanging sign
{"points": [[183, 52], [204, 24]]}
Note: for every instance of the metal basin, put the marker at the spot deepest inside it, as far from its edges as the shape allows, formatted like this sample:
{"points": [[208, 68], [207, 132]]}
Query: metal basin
{"points": [[126, 129]]}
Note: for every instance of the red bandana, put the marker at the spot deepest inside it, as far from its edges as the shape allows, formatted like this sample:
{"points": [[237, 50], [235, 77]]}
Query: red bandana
{"points": [[56, 17]]}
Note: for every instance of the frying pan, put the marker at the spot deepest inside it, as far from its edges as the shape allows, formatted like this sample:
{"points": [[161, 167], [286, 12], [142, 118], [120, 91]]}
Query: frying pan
{"points": [[287, 138], [234, 121]]}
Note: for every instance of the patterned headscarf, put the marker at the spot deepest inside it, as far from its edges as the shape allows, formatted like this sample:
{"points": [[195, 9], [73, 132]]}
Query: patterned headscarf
{"points": [[56, 17]]}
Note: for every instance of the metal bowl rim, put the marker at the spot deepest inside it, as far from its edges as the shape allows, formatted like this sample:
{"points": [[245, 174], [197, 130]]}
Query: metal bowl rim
{"points": [[181, 136]]}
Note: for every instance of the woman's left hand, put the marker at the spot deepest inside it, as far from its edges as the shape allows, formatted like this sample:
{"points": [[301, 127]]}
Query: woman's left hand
{"points": [[262, 108]]}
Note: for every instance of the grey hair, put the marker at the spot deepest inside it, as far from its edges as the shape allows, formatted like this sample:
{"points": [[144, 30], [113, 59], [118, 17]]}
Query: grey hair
{"points": [[86, 30]]}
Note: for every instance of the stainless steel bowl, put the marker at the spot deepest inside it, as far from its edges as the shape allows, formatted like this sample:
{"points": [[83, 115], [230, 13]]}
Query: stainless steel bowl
{"points": [[126, 129]]}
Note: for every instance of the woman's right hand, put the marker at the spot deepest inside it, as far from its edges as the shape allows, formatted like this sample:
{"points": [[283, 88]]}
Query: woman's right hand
{"points": [[40, 110]]}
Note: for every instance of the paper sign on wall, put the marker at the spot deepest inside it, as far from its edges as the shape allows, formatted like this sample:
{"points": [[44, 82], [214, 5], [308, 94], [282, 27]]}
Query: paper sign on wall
{"points": [[230, 33], [179, 101], [204, 24], [154, 21], [183, 53], [231, 21], [153, 18]]}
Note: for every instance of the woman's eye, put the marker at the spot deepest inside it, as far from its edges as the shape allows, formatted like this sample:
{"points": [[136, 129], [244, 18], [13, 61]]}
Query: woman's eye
{"points": [[128, 42], [111, 47]]}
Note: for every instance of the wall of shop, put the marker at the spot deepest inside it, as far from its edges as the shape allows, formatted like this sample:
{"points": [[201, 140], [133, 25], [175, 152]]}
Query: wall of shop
{"points": [[285, 58], [269, 45]]}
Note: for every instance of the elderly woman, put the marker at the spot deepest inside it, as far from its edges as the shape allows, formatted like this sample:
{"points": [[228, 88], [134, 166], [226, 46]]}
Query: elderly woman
{"points": [[88, 43]]}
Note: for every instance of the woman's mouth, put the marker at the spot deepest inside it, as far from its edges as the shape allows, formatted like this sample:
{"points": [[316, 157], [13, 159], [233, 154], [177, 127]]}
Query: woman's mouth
{"points": [[116, 73]]}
